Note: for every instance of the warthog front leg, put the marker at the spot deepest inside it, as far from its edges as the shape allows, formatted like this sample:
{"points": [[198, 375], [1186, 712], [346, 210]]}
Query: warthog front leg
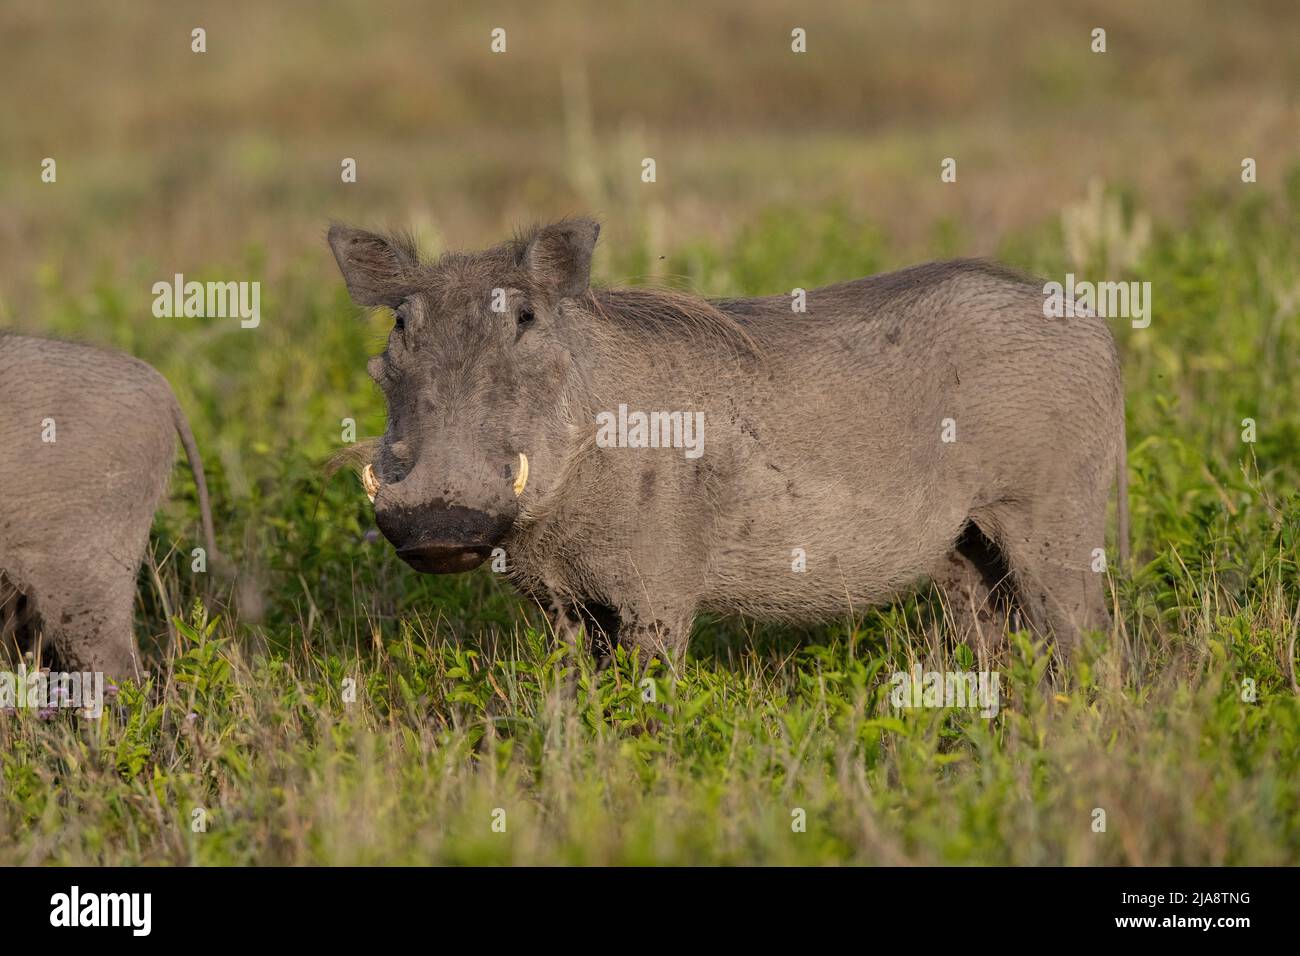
{"points": [[649, 634]]}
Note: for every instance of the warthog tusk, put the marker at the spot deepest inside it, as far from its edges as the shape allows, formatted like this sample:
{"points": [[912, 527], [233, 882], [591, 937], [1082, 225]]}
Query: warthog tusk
{"points": [[371, 482], [521, 479]]}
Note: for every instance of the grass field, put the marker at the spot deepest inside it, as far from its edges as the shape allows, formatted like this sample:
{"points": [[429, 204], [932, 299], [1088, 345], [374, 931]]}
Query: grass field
{"points": [[327, 705], [465, 705]]}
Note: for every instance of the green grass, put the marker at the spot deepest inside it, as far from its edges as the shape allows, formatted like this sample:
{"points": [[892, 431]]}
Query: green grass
{"points": [[465, 704]]}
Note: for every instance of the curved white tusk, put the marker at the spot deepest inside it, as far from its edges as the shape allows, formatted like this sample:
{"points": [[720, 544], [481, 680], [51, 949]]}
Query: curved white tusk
{"points": [[371, 482], [522, 478]]}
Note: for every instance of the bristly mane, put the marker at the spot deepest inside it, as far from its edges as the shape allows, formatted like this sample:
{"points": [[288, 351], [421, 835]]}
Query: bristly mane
{"points": [[403, 243], [670, 314]]}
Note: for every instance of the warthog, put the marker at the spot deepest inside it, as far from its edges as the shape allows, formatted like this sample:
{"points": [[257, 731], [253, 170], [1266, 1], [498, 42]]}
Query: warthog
{"points": [[928, 424], [87, 442]]}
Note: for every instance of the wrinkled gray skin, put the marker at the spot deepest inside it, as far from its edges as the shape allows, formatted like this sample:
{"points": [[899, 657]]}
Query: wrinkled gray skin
{"points": [[822, 433], [75, 513]]}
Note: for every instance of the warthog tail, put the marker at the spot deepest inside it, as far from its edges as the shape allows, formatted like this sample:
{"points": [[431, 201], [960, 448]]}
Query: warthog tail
{"points": [[1121, 494], [200, 479]]}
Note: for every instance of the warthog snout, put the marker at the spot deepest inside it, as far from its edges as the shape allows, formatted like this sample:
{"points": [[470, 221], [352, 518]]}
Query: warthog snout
{"points": [[440, 538], [435, 536]]}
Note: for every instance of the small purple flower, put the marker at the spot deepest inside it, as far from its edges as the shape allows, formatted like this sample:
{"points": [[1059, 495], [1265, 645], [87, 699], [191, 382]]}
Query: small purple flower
{"points": [[111, 691], [9, 711], [46, 713], [191, 717], [372, 535]]}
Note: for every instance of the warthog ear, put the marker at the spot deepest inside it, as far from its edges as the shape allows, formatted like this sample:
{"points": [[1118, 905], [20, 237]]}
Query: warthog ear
{"points": [[560, 255], [377, 270]]}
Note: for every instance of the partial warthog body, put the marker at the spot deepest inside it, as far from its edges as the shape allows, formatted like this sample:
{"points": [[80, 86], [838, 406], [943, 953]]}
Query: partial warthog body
{"points": [[928, 424], [87, 444]]}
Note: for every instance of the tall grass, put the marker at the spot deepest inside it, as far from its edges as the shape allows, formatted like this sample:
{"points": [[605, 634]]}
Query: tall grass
{"points": [[327, 705]]}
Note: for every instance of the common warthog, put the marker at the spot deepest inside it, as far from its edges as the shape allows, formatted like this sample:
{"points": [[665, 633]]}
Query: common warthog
{"points": [[87, 441], [642, 456]]}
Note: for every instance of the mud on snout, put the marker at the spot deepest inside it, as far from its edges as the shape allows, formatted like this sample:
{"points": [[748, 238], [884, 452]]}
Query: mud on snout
{"points": [[435, 536]]}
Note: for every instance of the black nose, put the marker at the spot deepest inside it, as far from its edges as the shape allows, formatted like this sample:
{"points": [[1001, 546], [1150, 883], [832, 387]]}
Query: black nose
{"points": [[442, 540]]}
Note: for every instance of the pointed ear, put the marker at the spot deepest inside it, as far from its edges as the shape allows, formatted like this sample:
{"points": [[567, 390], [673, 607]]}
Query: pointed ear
{"points": [[377, 270], [559, 255]]}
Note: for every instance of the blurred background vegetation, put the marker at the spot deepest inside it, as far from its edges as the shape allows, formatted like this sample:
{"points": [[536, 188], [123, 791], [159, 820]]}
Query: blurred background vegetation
{"points": [[171, 160], [774, 169]]}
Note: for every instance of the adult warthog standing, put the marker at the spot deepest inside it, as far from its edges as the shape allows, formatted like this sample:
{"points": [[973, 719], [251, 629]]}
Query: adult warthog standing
{"points": [[642, 456]]}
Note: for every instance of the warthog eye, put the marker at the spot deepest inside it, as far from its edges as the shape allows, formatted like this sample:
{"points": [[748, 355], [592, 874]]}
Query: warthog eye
{"points": [[526, 317], [399, 317]]}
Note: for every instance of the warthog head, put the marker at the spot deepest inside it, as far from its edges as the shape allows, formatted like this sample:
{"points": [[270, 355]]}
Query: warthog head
{"points": [[478, 373]]}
